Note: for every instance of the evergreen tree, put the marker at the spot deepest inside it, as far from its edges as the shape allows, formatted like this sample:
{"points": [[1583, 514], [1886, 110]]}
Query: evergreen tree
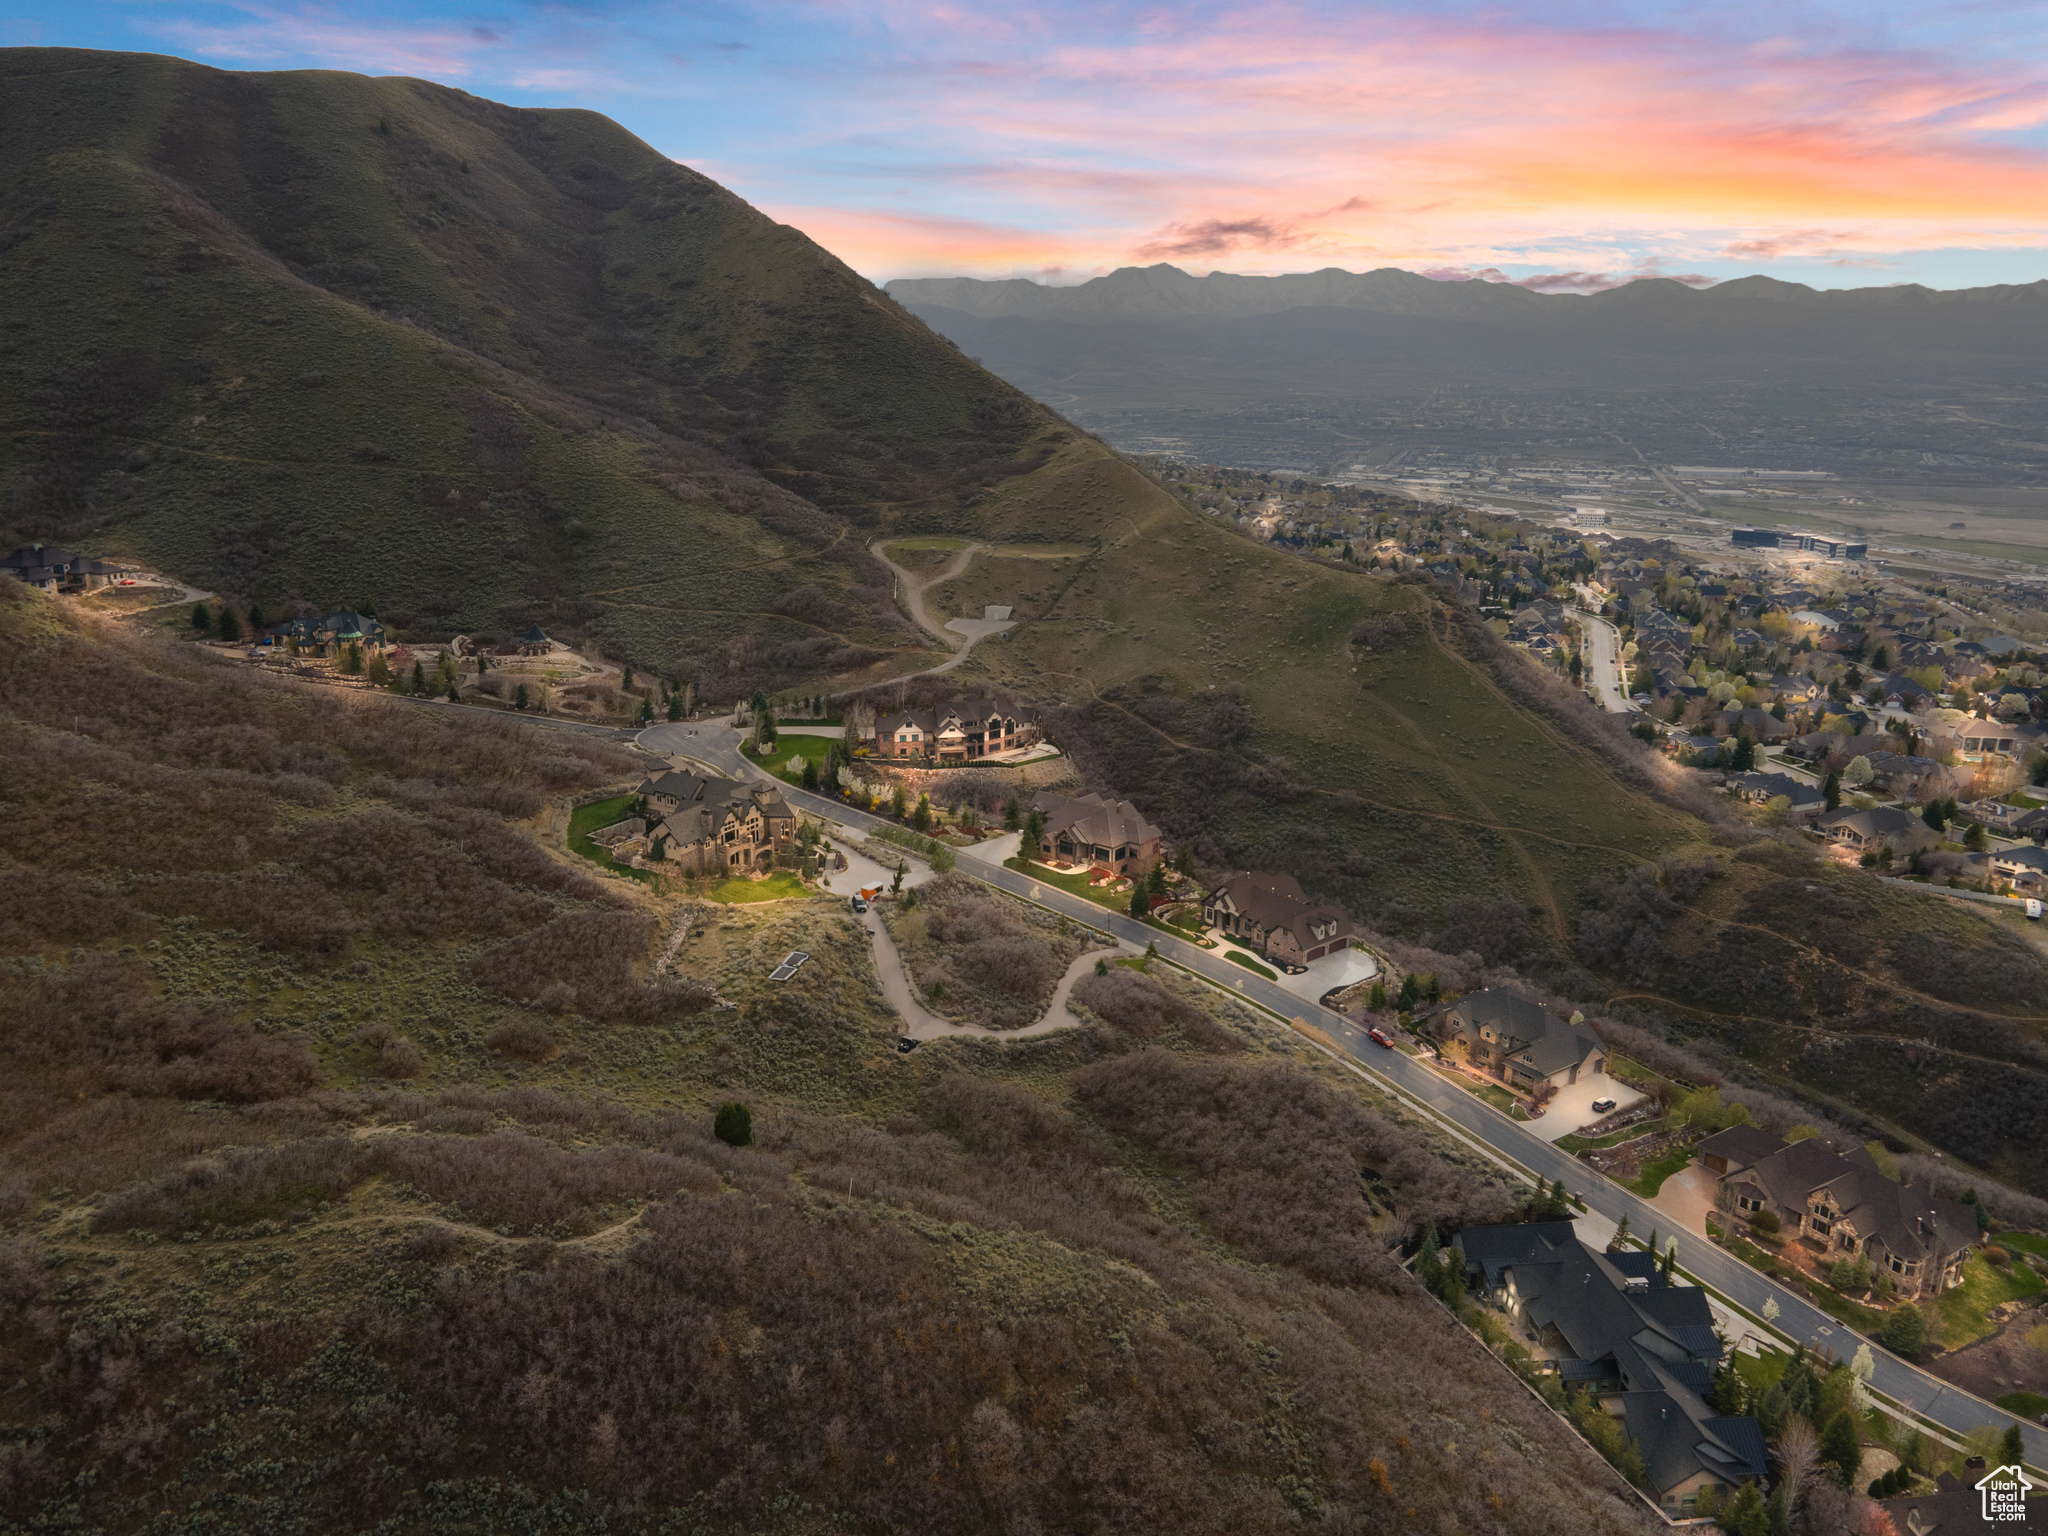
{"points": [[1410, 994], [1670, 1266], [229, 626], [419, 683], [1428, 1259], [733, 1125], [898, 801], [1841, 1448], [626, 680], [2012, 1447], [454, 692], [352, 660], [1931, 814], [1778, 1512], [1831, 789], [1619, 1244], [519, 698], [1378, 1001], [1771, 1411], [255, 617], [1744, 1515], [1141, 900], [647, 718], [1727, 1394], [675, 706], [202, 618], [1904, 1330], [380, 671], [1034, 833], [1155, 881], [1560, 1202], [1013, 814]]}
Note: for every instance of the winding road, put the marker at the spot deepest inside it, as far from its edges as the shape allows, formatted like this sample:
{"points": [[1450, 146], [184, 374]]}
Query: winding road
{"points": [[1958, 1411], [959, 635]]}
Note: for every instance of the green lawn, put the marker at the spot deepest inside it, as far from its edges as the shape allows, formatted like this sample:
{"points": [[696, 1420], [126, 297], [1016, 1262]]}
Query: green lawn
{"points": [[788, 744], [2023, 1242], [1248, 963], [1654, 1174], [2028, 1405], [780, 886], [594, 817], [1760, 1372], [1077, 885], [1984, 1286]]}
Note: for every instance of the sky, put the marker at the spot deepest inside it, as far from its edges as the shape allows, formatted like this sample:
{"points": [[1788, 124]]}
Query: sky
{"points": [[1568, 146]]}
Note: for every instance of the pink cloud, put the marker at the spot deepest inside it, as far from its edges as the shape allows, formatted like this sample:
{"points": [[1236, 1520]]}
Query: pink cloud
{"points": [[1212, 237]]}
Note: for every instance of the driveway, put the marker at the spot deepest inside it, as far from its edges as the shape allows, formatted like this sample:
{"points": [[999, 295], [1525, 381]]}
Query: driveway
{"points": [[920, 1023], [1573, 1106], [1687, 1196], [862, 873], [1338, 970]]}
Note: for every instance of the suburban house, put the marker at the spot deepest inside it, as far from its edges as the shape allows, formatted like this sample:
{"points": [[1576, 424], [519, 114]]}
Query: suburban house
{"points": [[534, 642], [1974, 740], [705, 823], [1108, 834], [1273, 915], [1842, 1204], [2006, 820], [2026, 868], [50, 569], [1806, 802], [1644, 1348], [958, 732], [1524, 1045], [329, 636], [1884, 827]]}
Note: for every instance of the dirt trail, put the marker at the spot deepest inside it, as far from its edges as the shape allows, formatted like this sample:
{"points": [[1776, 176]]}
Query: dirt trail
{"points": [[913, 590]]}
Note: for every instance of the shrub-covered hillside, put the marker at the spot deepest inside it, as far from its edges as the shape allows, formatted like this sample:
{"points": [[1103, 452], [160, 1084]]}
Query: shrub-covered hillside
{"points": [[323, 338], [359, 1174]]}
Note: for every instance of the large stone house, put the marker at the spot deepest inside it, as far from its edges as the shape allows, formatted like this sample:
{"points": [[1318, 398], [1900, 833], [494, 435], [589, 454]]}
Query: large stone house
{"points": [[706, 824], [1273, 915], [331, 635], [1843, 1205], [1523, 1044], [959, 732], [1644, 1348], [1110, 835]]}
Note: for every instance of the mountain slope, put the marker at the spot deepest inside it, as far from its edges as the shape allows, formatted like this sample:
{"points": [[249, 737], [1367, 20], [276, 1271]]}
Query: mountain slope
{"points": [[321, 338]]}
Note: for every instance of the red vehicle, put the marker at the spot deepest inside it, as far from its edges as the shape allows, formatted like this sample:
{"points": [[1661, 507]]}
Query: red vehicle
{"points": [[1378, 1037]]}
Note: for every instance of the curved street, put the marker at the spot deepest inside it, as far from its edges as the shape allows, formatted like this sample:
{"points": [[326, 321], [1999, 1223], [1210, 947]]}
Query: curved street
{"points": [[717, 745]]}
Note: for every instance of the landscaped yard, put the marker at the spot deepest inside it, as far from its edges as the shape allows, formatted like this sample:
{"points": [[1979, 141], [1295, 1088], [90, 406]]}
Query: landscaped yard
{"points": [[1578, 1144], [595, 817], [1654, 1174], [2028, 1405], [1248, 963], [788, 744], [1074, 885], [1984, 1286], [780, 886], [2023, 1242]]}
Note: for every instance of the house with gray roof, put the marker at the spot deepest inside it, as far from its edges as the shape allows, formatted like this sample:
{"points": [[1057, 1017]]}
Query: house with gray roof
{"points": [[1841, 1204], [1525, 1045], [1883, 827], [1644, 1348]]}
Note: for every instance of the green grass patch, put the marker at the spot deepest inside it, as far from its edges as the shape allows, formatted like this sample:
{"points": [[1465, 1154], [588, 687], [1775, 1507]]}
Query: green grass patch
{"points": [[1984, 1287], [1075, 885], [2023, 1242], [1654, 1174], [780, 886], [2028, 1405], [595, 817], [1760, 1372], [1249, 964], [789, 744]]}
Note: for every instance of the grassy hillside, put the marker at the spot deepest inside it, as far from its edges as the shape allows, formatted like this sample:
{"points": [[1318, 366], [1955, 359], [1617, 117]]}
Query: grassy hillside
{"points": [[358, 1175], [317, 338]]}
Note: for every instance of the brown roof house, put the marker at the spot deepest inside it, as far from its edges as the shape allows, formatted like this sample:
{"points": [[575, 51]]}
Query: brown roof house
{"points": [[1274, 915], [1842, 1204], [706, 824], [1523, 1044], [1109, 834]]}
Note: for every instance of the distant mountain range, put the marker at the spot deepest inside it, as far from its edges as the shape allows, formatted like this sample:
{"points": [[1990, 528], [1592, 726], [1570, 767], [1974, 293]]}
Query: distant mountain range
{"points": [[1151, 350]]}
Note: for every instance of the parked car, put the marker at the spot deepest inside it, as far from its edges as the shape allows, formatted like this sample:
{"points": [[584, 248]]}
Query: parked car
{"points": [[2033, 909], [1379, 1037], [859, 905], [1602, 1106]]}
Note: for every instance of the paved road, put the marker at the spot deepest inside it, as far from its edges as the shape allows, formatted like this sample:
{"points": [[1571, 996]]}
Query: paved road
{"points": [[1948, 1406], [1603, 655]]}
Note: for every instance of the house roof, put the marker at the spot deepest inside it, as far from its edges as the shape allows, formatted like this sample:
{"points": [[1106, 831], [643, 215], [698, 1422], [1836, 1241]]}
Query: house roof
{"points": [[1094, 820], [1883, 821], [1656, 1340], [1535, 1035], [1277, 903], [1908, 1219], [708, 803], [1740, 1144]]}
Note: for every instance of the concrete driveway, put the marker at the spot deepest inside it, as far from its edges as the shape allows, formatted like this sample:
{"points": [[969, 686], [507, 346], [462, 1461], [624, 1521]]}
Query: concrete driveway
{"points": [[1573, 1106], [1687, 1196], [1338, 970]]}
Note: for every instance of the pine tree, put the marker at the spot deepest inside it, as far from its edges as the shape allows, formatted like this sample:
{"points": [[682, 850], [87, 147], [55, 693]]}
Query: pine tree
{"points": [[675, 706], [1778, 1512], [2012, 1448], [1013, 814], [1141, 901], [255, 617], [230, 625], [1745, 1515], [1841, 1448], [733, 1125], [1428, 1260], [1670, 1261], [1620, 1243], [419, 684]]}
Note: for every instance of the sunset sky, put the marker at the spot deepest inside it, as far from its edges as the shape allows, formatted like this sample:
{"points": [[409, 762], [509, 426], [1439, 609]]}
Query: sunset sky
{"points": [[1568, 146]]}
